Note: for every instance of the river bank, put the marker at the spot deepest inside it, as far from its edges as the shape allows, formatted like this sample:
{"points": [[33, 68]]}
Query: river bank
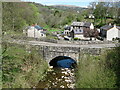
{"points": [[22, 68], [101, 71]]}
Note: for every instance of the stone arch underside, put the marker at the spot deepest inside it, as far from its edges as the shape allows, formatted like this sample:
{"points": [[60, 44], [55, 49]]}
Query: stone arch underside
{"points": [[65, 60]]}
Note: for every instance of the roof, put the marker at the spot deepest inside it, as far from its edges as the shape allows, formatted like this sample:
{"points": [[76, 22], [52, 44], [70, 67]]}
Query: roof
{"points": [[38, 27], [87, 24], [106, 27], [82, 24], [77, 24], [118, 27], [67, 27]]}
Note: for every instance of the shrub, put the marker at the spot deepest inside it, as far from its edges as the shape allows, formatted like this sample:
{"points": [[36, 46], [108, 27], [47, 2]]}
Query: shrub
{"points": [[22, 68], [99, 71], [76, 38]]}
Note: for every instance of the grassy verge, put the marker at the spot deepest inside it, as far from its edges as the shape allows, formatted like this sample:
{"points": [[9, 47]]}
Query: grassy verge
{"points": [[22, 68], [54, 30], [99, 71]]}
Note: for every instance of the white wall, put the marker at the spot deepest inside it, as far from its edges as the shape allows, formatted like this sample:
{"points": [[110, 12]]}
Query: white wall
{"points": [[91, 26], [119, 33], [82, 37], [113, 33], [66, 31], [79, 36], [32, 32]]}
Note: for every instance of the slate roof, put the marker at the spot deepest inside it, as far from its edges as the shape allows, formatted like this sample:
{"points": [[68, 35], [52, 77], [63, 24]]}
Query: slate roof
{"points": [[82, 24], [118, 27], [67, 28], [38, 27], [87, 24], [106, 27], [77, 24]]}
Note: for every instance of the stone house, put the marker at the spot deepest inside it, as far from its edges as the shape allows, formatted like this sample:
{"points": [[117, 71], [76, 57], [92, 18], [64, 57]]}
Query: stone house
{"points": [[35, 31], [110, 32], [80, 30]]}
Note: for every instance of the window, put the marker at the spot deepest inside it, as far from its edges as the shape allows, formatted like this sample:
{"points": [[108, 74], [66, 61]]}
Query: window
{"points": [[41, 34], [81, 31]]}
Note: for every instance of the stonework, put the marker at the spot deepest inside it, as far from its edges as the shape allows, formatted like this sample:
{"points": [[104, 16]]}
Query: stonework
{"points": [[48, 51]]}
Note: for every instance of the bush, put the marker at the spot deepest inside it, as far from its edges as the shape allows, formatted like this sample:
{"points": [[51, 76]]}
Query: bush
{"points": [[99, 71], [22, 67], [76, 38]]}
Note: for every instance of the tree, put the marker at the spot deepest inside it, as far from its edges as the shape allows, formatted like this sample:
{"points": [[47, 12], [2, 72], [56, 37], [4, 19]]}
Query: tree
{"points": [[19, 15]]}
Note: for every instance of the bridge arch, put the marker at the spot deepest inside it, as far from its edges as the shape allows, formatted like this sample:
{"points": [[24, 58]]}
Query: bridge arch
{"points": [[63, 61]]}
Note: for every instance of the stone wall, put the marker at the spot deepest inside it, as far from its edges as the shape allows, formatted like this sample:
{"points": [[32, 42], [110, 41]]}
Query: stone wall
{"points": [[50, 52], [84, 42]]}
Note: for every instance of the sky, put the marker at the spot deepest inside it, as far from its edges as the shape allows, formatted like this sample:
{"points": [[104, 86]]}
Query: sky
{"points": [[81, 3]]}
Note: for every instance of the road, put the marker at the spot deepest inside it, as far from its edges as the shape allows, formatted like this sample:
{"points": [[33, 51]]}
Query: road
{"points": [[42, 43]]}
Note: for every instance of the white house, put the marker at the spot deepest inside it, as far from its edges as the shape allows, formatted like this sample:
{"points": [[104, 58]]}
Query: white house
{"points": [[78, 29], [91, 16], [113, 33], [35, 31], [67, 30]]}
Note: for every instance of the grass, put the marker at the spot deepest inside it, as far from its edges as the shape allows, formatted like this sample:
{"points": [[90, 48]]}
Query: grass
{"points": [[22, 68], [99, 71], [0, 66], [52, 29]]}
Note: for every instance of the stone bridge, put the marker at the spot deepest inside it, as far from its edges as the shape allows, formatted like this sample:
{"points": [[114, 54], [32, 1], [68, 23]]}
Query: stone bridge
{"points": [[52, 50]]}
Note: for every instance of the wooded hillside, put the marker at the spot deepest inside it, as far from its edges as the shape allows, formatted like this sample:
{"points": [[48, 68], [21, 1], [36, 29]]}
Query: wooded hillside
{"points": [[18, 15]]}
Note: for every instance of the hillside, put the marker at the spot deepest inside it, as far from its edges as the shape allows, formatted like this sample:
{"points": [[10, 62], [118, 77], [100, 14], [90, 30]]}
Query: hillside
{"points": [[69, 7], [22, 14]]}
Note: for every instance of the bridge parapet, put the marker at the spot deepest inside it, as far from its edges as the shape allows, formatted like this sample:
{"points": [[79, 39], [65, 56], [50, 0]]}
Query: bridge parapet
{"points": [[52, 50]]}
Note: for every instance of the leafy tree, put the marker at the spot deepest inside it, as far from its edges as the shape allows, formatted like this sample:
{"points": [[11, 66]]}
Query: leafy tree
{"points": [[18, 15]]}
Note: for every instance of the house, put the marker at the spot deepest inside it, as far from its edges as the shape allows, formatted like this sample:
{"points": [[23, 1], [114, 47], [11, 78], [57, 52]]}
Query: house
{"points": [[110, 32], [67, 30], [35, 31], [80, 30], [113, 33], [91, 16], [103, 30]]}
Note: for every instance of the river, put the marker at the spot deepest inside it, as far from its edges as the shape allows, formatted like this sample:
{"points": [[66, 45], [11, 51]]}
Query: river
{"points": [[58, 78]]}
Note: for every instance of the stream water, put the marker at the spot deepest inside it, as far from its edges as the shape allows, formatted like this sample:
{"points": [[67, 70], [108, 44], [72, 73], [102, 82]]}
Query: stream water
{"points": [[58, 78]]}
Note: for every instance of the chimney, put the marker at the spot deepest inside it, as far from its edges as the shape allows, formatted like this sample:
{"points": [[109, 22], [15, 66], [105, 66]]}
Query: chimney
{"points": [[36, 24], [109, 24], [114, 25]]}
